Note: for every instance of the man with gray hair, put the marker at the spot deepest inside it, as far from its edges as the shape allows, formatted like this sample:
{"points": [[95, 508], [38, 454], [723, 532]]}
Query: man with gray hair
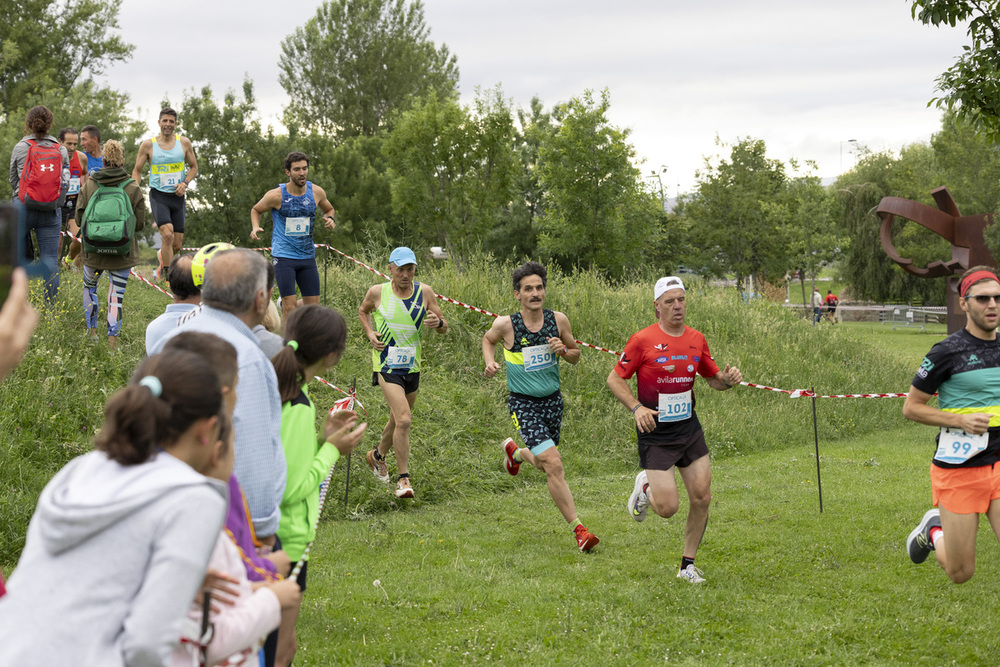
{"points": [[666, 357], [234, 300]]}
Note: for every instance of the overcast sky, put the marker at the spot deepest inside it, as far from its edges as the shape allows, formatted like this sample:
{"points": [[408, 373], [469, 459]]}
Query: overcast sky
{"points": [[804, 76]]}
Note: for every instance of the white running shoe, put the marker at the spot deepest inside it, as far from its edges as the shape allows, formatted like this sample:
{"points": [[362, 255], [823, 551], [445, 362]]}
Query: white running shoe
{"points": [[403, 488], [638, 502], [692, 574]]}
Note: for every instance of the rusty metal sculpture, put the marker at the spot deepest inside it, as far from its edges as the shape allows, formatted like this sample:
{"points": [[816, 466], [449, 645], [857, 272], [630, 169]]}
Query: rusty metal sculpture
{"points": [[964, 233]]}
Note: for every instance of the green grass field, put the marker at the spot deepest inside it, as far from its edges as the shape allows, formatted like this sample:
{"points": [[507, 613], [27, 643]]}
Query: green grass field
{"points": [[481, 568]]}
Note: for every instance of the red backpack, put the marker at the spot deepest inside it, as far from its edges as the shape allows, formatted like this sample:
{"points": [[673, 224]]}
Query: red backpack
{"points": [[40, 187]]}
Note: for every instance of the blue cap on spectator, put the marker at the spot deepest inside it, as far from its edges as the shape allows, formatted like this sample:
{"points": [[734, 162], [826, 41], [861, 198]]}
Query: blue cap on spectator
{"points": [[402, 256]]}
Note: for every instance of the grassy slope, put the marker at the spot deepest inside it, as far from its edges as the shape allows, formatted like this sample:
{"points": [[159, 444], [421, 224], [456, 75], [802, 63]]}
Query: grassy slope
{"points": [[481, 567]]}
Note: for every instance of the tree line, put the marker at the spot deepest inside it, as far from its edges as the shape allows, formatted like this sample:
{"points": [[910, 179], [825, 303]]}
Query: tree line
{"points": [[374, 102]]}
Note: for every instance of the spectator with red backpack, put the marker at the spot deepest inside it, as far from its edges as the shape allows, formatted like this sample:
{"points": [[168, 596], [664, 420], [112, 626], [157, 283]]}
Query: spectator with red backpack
{"points": [[39, 177], [111, 208]]}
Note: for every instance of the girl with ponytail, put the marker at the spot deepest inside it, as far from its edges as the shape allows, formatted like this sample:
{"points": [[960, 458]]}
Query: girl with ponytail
{"points": [[121, 536], [315, 338]]}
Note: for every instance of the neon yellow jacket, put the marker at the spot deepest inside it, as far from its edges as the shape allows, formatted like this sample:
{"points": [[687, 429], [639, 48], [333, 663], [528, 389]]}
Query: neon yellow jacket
{"points": [[309, 461]]}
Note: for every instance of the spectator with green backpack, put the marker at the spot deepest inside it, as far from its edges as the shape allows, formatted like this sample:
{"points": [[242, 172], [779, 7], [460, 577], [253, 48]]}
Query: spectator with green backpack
{"points": [[111, 209]]}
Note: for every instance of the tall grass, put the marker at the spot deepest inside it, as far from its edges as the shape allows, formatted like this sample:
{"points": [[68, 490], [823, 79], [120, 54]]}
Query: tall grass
{"points": [[53, 404]]}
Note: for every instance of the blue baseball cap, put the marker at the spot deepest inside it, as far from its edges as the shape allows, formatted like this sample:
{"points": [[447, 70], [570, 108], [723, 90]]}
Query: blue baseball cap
{"points": [[402, 256]]}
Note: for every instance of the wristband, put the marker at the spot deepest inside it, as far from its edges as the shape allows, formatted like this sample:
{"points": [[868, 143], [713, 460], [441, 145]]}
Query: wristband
{"points": [[638, 405], [440, 322], [564, 351]]}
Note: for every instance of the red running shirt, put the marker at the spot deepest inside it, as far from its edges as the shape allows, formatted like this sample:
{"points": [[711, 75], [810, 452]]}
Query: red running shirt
{"points": [[665, 364]]}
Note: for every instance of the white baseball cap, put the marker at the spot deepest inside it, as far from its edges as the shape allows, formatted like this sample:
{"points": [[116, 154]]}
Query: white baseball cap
{"points": [[668, 283]]}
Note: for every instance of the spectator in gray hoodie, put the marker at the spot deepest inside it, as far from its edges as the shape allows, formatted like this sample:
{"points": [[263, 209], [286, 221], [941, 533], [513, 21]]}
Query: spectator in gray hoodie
{"points": [[118, 545]]}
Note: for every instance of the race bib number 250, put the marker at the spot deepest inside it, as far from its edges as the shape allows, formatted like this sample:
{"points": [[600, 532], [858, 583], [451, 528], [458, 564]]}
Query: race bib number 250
{"points": [[538, 357]]}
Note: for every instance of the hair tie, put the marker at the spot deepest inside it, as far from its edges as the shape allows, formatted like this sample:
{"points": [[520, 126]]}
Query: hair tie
{"points": [[294, 344], [152, 383]]}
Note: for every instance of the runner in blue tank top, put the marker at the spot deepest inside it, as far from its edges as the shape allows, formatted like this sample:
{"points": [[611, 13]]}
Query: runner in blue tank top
{"points": [[293, 212], [534, 340]]}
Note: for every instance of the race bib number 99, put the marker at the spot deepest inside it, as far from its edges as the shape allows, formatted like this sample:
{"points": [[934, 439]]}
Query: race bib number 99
{"points": [[538, 357], [957, 446], [401, 357], [298, 226], [675, 407]]}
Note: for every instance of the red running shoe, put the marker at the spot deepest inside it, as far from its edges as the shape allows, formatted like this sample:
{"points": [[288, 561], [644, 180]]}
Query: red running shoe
{"points": [[585, 539], [509, 463]]}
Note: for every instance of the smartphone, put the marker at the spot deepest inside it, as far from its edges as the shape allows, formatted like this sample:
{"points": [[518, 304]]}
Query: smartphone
{"points": [[13, 248]]}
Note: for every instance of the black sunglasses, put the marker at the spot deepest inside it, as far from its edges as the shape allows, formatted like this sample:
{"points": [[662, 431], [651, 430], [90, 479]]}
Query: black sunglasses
{"points": [[984, 299]]}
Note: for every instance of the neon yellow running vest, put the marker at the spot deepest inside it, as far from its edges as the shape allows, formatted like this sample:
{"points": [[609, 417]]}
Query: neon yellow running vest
{"points": [[397, 322]]}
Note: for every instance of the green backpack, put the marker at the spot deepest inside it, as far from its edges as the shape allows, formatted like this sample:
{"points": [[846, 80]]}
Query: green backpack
{"points": [[108, 223]]}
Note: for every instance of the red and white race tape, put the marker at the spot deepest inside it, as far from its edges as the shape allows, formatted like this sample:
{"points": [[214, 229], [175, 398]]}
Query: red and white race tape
{"points": [[792, 393], [349, 397], [807, 393]]}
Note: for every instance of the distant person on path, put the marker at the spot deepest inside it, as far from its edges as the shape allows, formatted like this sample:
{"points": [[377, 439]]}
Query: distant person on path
{"points": [[172, 168], [293, 211], [187, 297], [534, 339], [118, 266], [831, 306], [817, 302], [964, 371], [39, 175], [392, 315], [664, 357], [70, 140]]}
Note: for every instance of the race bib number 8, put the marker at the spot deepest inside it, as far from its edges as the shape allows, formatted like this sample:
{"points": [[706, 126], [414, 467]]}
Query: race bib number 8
{"points": [[538, 357], [298, 226], [675, 407], [401, 357], [957, 446]]}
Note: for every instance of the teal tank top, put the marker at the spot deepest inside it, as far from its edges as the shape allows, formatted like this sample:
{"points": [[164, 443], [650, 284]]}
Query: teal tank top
{"points": [[532, 367]]}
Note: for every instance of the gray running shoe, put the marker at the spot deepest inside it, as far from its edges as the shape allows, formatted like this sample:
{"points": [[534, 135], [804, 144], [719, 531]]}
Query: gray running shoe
{"points": [[638, 502], [919, 544]]}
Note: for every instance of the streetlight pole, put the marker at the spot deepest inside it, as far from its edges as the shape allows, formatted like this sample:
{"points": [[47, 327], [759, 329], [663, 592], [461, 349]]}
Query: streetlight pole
{"points": [[656, 174], [849, 141]]}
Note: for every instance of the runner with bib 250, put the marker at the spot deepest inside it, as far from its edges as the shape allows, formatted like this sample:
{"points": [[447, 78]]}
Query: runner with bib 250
{"points": [[293, 211]]}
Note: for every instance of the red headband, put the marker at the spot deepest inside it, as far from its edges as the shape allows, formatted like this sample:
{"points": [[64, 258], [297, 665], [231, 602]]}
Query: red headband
{"points": [[977, 276]]}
